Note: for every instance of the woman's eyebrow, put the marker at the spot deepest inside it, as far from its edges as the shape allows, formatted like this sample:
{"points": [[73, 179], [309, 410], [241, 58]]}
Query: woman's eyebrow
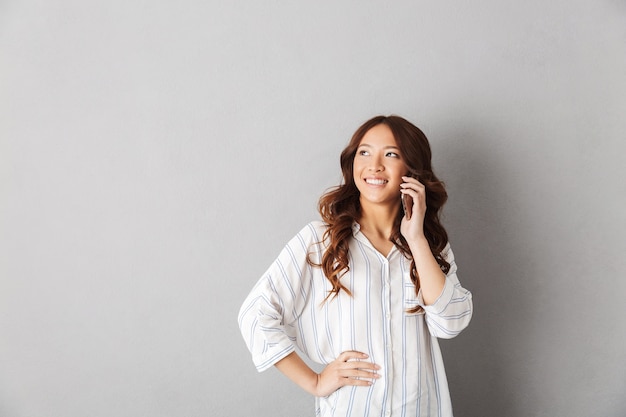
{"points": [[384, 147]]}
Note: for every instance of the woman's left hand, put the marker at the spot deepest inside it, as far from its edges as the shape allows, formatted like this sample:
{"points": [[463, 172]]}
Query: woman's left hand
{"points": [[413, 229]]}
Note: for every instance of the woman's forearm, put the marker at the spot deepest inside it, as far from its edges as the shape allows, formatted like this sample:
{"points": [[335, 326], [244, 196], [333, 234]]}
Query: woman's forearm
{"points": [[299, 372], [350, 368], [431, 277]]}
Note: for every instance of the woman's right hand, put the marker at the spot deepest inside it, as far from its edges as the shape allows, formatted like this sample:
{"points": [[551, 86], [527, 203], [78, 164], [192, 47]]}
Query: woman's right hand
{"points": [[350, 368]]}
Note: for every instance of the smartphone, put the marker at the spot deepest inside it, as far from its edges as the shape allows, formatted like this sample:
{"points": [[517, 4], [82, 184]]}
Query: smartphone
{"points": [[407, 201], [407, 205]]}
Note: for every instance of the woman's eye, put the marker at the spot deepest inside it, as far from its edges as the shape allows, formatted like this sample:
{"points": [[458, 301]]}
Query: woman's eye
{"points": [[363, 153], [392, 155]]}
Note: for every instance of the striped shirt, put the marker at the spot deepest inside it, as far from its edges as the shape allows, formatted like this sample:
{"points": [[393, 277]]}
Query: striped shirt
{"points": [[286, 309]]}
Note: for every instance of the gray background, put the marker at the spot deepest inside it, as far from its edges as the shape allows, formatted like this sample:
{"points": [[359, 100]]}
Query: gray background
{"points": [[157, 155]]}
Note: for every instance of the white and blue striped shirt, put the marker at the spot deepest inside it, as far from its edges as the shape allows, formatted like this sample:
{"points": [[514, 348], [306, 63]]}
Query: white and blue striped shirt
{"points": [[286, 309]]}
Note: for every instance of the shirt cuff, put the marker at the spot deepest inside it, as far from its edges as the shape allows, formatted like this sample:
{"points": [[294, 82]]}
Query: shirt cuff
{"points": [[441, 303], [267, 359]]}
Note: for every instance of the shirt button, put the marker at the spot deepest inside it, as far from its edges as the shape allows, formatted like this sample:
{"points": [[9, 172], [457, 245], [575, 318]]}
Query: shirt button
{"points": [[388, 315]]}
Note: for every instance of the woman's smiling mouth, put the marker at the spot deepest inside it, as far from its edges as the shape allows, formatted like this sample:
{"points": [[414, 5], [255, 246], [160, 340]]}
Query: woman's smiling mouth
{"points": [[375, 181]]}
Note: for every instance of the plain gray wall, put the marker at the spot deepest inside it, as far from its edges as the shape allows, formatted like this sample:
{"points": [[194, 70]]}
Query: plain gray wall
{"points": [[155, 156]]}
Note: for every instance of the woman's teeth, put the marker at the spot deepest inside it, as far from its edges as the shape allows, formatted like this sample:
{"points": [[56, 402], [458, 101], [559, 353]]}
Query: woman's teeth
{"points": [[375, 182]]}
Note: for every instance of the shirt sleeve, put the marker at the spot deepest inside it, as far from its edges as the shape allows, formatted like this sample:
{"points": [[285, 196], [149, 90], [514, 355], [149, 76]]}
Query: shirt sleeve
{"points": [[452, 311], [268, 317]]}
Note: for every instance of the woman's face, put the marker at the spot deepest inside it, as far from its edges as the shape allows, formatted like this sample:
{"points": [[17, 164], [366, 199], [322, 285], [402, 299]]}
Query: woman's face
{"points": [[378, 167]]}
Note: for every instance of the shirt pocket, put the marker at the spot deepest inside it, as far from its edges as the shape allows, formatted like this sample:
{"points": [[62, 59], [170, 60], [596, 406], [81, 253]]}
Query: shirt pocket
{"points": [[410, 299]]}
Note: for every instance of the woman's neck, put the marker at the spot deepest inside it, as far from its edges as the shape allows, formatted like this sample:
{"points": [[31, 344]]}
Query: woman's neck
{"points": [[377, 221]]}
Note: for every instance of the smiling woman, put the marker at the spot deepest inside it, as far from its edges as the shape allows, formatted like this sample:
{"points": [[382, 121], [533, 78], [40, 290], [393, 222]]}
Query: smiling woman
{"points": [[367, 291], [378, 168]]}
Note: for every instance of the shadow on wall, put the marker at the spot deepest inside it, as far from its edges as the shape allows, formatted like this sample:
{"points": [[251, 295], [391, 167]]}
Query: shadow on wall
{"points": [[480, 219]]}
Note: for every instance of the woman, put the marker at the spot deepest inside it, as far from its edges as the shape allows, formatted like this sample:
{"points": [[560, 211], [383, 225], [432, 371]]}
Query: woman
{"points": [[367, 291]]}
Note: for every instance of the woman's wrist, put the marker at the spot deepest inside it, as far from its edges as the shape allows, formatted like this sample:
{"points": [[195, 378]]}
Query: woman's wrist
{"points": [[299, 372], [418, 244]]}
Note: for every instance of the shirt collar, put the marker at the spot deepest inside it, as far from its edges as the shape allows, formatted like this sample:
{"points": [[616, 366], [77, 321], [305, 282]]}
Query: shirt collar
{"points": [[356, 232]]}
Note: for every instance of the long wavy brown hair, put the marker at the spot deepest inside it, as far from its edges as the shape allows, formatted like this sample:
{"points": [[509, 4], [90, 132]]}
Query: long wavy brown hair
{"points": [[340, 206]]}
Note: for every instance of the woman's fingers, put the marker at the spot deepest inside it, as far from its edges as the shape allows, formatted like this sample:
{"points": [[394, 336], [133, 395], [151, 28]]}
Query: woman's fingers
{"points": [[355, 366], [354, 359], [356, 369], [350, 368], [410, 182], [416, 190], [351, 354], [359, 373], [360, 368]]}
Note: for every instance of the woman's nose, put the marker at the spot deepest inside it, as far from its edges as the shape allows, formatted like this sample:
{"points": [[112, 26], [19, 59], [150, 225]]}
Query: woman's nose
{"points": [[376, 165]]}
